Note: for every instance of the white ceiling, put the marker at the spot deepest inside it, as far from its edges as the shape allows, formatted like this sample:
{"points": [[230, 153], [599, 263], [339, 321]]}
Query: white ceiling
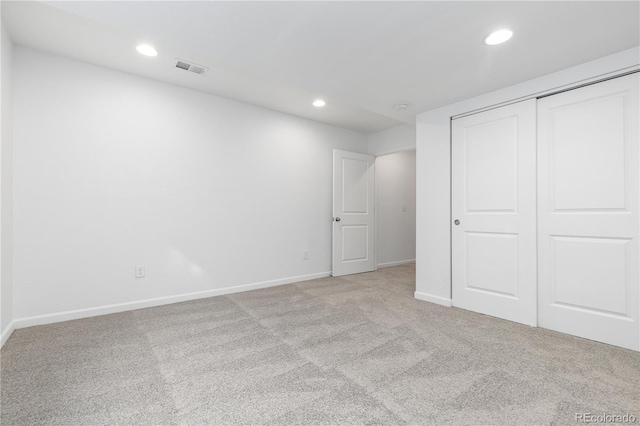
{"points": [[361, 57]]}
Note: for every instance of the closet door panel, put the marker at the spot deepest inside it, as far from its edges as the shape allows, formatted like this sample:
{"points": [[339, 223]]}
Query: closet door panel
{"points": [[588, 185], [493, 202]]}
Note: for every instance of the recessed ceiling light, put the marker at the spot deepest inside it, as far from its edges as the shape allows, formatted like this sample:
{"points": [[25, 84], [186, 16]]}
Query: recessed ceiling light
{"points": [[498, 37], [401, 106], [146, 50], [319, 103]]}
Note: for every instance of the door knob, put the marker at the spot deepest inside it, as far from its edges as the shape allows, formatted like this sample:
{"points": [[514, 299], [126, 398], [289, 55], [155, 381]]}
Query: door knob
{"points": [[456, 222], [337, 219]]}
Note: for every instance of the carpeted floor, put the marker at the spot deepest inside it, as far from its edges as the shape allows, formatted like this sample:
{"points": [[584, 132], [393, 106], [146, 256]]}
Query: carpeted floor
{"points": [[351, 350]]}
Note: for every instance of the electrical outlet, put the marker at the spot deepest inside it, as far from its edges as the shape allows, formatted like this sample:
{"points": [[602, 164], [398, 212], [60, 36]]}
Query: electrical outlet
{"points": [[305, 254], [404, 209], [139, 271]]}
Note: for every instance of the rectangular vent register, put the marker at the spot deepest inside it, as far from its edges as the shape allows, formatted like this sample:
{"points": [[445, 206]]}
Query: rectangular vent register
{"points": [[191, 67]]}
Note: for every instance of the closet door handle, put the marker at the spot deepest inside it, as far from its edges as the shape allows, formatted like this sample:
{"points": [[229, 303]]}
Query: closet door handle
{"points": [[456, 222]]}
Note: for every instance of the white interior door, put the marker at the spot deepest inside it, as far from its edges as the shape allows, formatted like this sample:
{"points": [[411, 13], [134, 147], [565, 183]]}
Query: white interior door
{"points": [[588, 212], [353, 213], [494, 212]]}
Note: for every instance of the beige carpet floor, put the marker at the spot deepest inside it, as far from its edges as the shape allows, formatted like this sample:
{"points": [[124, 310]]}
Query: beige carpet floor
{"points": [[353, 350]]}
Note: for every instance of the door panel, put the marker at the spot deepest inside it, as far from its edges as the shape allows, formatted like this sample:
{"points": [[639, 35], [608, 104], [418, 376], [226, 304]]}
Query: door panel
{"points": [[581, 265], [588, 212], [492, 166], [355, 242], [353, 211], [354, 185], [494, 198], [588, 155], [492, 263]]}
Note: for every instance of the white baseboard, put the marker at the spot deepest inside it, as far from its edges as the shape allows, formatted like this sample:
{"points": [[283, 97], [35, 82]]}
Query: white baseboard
{"points": [[433, 299], [6, 333], [148, 303], [397, 263]]}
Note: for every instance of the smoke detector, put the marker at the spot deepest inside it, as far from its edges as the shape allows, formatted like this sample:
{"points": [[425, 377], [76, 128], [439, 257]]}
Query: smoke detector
{"points": [[401, 106], [191, 67]]}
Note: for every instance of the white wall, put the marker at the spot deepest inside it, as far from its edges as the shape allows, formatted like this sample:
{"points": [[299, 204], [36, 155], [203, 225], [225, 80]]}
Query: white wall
{"points": [[114, 170], [6, 185], [433, 246], [396, 208], [401, 138]]}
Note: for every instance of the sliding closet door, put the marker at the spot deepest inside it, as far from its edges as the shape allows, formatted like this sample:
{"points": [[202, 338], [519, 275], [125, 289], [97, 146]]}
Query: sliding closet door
{"points": [[588, 212], [494, 212]]}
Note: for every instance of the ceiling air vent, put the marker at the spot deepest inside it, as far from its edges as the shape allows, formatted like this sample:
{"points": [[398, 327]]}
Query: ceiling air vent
{"points": [[187, 66]]}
